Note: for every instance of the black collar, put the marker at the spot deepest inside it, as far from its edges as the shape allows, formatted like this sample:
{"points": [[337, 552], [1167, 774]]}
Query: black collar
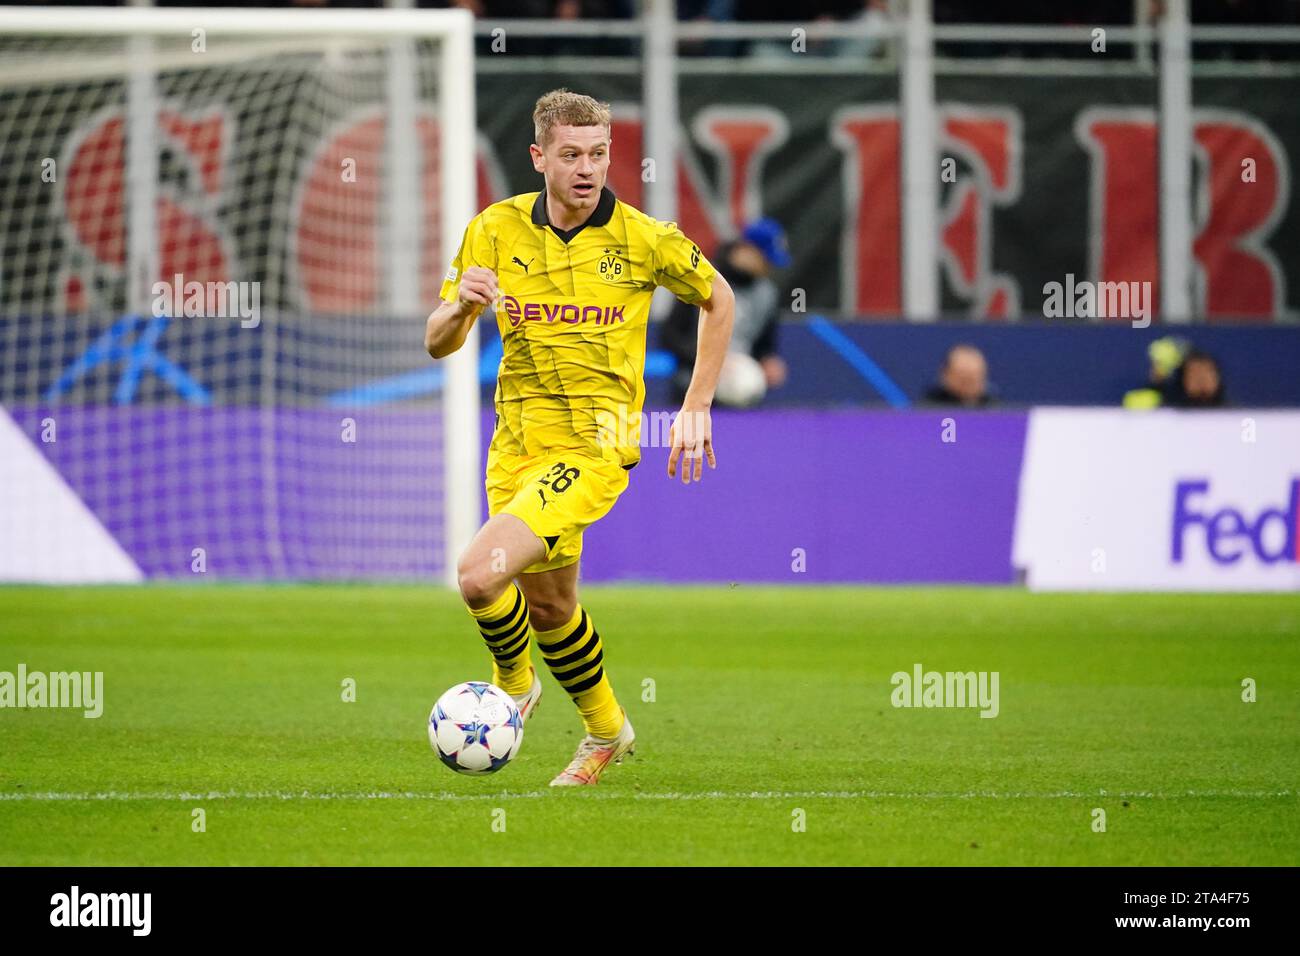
{"points": [[599, 216]]}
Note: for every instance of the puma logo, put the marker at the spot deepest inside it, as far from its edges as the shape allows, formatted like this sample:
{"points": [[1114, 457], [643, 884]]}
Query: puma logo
{"points": [[523, 265], [543, 496]]}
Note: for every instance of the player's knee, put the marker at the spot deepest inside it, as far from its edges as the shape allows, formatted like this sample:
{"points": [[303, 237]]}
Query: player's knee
{"points": [[479, 584]]}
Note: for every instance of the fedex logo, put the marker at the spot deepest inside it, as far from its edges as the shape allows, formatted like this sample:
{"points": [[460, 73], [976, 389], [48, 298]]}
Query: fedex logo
{"points": [[1230, 533]]}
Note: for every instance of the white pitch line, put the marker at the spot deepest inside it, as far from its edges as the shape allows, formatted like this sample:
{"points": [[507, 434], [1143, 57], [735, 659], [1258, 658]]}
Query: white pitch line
{"points": [[287, 795]]}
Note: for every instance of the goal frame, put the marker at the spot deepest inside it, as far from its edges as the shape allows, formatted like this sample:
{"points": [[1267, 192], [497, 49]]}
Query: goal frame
{"points": [[461, 437]]}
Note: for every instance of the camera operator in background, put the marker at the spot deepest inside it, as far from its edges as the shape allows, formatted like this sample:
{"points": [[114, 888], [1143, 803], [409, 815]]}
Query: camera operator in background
{"points": [[753, 365]]}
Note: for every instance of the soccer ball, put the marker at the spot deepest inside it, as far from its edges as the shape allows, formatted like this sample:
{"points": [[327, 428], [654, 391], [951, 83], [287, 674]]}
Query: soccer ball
{"points": [[475, 728]]}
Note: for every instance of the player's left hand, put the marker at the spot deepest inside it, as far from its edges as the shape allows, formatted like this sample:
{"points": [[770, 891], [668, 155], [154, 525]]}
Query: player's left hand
{"points": [[691, 438]]}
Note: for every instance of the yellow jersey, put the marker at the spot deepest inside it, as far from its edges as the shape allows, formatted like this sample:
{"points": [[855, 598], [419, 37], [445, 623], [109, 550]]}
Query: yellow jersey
{"points": [[573, 316]]}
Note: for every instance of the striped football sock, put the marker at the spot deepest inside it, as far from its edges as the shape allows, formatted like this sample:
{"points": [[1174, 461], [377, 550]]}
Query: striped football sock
{"points": [[504, 626], [574, 655]]}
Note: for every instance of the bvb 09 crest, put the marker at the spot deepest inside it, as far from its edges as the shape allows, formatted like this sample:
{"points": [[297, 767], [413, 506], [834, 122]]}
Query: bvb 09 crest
{"points": [[612, 266]]}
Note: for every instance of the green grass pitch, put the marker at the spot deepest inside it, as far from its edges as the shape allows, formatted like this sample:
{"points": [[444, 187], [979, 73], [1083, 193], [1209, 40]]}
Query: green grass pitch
{"points": [[767, 701]]}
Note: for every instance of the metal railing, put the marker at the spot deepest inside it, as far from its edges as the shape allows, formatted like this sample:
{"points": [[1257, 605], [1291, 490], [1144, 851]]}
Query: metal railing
{"points": [[917, 50]]}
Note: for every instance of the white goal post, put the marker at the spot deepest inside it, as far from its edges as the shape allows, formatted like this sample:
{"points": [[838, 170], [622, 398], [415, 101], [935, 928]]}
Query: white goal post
{"points": [[401, 68]]}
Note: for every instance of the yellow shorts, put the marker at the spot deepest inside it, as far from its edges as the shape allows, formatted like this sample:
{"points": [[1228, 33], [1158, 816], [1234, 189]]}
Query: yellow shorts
{"points": [[557, 495]]}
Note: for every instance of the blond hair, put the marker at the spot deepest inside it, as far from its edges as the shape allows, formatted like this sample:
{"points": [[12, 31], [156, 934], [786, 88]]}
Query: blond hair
{"points": [[564, 108]]}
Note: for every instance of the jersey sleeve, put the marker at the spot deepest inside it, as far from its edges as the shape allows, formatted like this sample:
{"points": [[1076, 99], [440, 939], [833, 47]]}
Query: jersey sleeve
{"points": [[680, 267], [476, 249]]}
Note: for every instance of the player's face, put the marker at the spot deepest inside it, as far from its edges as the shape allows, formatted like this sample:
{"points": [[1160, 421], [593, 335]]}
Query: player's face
{"points": [[575, 163]]}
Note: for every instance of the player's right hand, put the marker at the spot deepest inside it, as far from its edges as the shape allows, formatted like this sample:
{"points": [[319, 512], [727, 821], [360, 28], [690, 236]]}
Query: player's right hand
{"points": [[478, 288]]}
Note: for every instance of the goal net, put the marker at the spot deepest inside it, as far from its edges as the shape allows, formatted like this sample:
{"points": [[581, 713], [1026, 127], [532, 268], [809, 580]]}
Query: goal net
{"points": [[220, 234]]}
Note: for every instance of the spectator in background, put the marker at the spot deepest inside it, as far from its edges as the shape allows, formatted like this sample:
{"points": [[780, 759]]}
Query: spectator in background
{"points": [[1181, 377], [963, 379], [550, 10], [593, 46], [869, 13], [1198, 383], [746, 263], [709, 11], [847, 45]]}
